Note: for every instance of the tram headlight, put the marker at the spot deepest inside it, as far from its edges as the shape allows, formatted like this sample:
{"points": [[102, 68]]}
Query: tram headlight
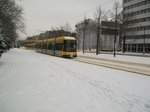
{"points": [[66, 53]]}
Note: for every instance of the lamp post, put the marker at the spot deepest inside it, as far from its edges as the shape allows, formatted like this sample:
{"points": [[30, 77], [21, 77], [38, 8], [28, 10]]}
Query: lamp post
{"points": [[83, 47], [85, 23], [98, 38], [144, 42], [55, 46], [143, 39]]}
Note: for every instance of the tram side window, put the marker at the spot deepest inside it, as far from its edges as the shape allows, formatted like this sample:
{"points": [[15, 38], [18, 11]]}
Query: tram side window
{"points": [[45, 46], [58, 46], [36, 46], [39, 45], [42, 45], [50, 46]]}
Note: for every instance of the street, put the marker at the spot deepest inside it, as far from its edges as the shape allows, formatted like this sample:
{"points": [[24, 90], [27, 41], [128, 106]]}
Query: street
{"points": [[34, 82]]}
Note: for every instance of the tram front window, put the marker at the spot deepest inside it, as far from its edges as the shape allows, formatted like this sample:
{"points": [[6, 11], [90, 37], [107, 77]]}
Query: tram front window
{"points": [[69, 46]]}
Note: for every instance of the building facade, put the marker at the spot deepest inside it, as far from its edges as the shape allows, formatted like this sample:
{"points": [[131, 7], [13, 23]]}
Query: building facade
{"points": [[107, 31], [138, 31]]}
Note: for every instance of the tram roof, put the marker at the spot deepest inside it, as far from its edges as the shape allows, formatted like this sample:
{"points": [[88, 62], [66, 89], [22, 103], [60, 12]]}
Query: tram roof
{"points": [[57, 38], [66, 38]]}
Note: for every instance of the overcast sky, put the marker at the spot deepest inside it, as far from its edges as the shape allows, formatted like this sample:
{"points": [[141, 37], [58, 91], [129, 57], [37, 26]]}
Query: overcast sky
{"points": [[41, 15]]}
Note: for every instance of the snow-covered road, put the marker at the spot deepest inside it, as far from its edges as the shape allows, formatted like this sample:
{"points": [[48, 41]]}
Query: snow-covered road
{"points": [[33, 82]]}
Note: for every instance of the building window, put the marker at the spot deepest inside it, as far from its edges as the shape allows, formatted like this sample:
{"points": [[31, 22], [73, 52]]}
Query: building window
{"points": [[139, 20], [140, 47], [129, 47], [138, 29], [147, 48], [137, 4], [125, 1], [133, 47]]}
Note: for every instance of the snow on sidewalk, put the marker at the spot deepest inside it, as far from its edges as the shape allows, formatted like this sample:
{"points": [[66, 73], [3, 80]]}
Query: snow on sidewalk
{"points": [[135, 59], [33, 82]]}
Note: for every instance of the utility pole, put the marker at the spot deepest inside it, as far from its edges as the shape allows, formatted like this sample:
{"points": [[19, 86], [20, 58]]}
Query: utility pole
{"points": [[55, 46], [143, 39], [99, 16], [98, 38], [124, 42], [115, 31], [144, 42], [84, 22], [124, 30]]}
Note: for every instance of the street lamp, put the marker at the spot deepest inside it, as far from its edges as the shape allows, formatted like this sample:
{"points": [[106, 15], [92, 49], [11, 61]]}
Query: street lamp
{"points": [[144, 42], [84, 24], [143, 39], [83, 44]]}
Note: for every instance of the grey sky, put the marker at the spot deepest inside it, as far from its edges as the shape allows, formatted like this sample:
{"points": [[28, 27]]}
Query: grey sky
{"points": [[41, 15]]}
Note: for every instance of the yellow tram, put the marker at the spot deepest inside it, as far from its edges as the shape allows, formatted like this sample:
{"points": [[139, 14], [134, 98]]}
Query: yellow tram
{"points": [[60, 46]]}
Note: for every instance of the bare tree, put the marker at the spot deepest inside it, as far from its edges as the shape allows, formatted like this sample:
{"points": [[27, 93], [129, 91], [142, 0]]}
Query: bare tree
{"points": [[67, 27], [99, 16], [11, 19], [115, 15], [52, 28], [116, 8]]}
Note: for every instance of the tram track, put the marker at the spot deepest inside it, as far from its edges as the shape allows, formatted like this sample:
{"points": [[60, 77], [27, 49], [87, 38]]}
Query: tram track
{"points": [[143, 69]]}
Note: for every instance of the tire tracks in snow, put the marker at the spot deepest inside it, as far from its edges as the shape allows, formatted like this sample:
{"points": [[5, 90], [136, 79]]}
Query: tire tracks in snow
{"points": [[105, 91]]}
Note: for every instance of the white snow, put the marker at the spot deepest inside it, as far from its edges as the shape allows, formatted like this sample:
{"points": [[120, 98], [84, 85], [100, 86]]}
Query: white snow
{"points": [[33, 82], [135, 59]]}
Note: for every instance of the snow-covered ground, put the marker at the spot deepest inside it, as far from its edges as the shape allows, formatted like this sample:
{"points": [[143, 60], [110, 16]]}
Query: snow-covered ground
{"points": [[135, 59], [33, 82]]}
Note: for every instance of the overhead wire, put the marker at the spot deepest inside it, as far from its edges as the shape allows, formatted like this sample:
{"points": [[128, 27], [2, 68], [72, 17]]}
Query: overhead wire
{"points": [[84, 14], [88, 11]]}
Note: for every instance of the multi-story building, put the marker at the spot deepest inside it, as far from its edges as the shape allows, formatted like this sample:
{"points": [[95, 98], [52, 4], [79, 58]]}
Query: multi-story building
{"points": [[138, 30], [107, 34]]}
